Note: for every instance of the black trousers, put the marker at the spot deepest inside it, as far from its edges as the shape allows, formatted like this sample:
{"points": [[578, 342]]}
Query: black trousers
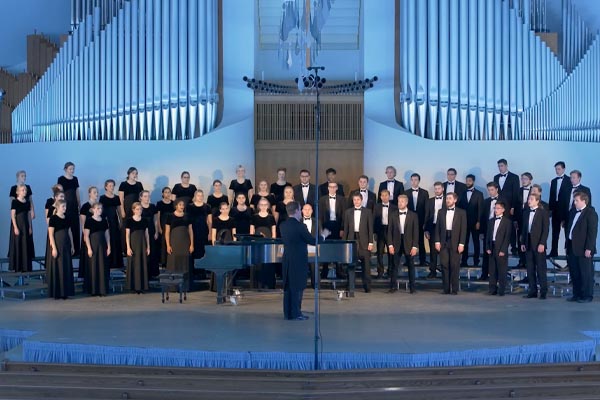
{"points": [[498, 267], [399, 252], [450, 260], [522, 254], [582, 274], [472, 234], [334, 227], [292, 302], [536, 270], [556, 228], [382, 244], [364, 257], [433, 253], [422, 255]]}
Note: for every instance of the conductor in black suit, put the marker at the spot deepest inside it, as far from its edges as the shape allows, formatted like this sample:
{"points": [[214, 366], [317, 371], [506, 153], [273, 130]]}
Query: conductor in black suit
{"points": [[454, 186], [497, 239], [392, 185], [304, 193], [534, 235], [582, 231], [417, 202], [358, 226], [559, 190], [472, 203], [450, 236], [403, 230], [295, 238]]}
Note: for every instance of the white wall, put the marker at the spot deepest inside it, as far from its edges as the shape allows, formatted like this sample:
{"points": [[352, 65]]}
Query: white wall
{"points": [[213, 156]]}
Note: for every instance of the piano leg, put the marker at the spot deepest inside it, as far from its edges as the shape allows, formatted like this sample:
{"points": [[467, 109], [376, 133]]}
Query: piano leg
{"points": [[351, 279], [220, 278]]}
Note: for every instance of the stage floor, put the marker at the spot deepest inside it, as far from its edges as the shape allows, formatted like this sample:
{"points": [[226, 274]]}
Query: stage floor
{"points": [[374, 329]]}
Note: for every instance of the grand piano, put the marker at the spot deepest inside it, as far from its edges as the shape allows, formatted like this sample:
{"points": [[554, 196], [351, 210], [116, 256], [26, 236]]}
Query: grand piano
{"points": [[222, 259]]}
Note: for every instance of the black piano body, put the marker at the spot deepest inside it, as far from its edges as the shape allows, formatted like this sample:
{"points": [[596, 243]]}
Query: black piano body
{"points": [[222, 259]]}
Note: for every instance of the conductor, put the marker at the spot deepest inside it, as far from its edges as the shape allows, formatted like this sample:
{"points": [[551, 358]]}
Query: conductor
{"points": [[295, 238]]}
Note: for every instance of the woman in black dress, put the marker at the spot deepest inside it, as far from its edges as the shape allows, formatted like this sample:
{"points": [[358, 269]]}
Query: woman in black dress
{"points": [[240, 185], [129, 193], [21, 178], [164, 208], [150, 214], [223, 226], [180, 240], [97, 240], [278, 187], [241, 214], [58, 194], [70, 185], [263, 193], [138, 250], [263, 223], [20, 253], [85, 212], [110, 211], [216, 198], [200, 217], [184, 190], [60, 268]]}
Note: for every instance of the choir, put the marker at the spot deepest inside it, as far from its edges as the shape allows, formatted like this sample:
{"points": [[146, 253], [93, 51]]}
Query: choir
{"points": [[392, 223]]}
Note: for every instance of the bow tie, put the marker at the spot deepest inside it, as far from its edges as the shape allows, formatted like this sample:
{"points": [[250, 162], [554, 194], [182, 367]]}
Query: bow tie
{"points": [[307, 219], [363, 190], [532, 209], [525, 188], [415, 190], [451, 209], [503, 175], [332, 197], [494, 198], [470, 190], [357, 209], [385, 205], [305, 185], [498, 218], [575, 187], [560, 177], [391, 181], [439, 197], [450, 183], [578, 211], [403, 213]]}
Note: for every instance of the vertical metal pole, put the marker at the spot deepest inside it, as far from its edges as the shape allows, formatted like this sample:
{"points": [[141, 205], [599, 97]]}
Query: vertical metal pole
{"points": [[317, 365]]}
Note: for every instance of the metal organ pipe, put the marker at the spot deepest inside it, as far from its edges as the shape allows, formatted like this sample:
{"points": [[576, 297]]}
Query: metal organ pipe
{"points": [[130, 70]]}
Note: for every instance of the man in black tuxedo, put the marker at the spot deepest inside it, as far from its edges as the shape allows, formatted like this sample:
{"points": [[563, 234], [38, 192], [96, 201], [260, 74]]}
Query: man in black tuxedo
{"points": [[368, 197], [519, 207], [560, 189], [310, 221], [434, 205], [472, 203], [331, 217], [454, 186], [381, 220], [323, 187], [392, 185], [496, 242], [509, 189], [295, 237], [403, 230], [534, 235], [450, 236], [304, 193], [487, 213], [417, 202], [537, 189], [582, 230], [358, 225]]}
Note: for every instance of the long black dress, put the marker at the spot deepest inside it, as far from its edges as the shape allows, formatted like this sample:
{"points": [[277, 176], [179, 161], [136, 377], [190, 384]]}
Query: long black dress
{"points": [[131, 194], [70, 187], [165, 210], [86, 211], [266, 272], [185, 193], [21, 253], [137, 264], [60, 269], [148, 214], [179, 260], [13, 194], [215, 202], [50, 212], [237, 188], [98, 272], [198, 216], [110, 212]]}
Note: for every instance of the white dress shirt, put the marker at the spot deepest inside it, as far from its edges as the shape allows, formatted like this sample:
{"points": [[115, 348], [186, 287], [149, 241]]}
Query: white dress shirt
{"points": [[577, 215], [365, 196], [573, 190], [492, 206], [439, 203], [357, 219], [449, 218], [402, 220], [469, 194], [531, 216], [559, 182], [526, 191], [415, 196], [385, 208], [450, 187], [308, 223], [502, 180], [390, 187], [496, 225], [332, 208], [305, 192]]}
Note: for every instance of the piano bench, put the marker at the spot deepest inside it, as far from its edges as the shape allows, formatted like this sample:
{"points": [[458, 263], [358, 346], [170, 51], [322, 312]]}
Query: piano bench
{"points": [[180, 280]]}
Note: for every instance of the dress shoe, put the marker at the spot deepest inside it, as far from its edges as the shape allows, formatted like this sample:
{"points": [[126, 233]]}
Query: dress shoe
{"points": [[543, 296], [530, 296], [445, 292], [492, 293], [392, 290], [573, 299], [585, 300], [454, 293], [301, 318], [432, 275], [367, 290], [500, 294], [413, 291]]}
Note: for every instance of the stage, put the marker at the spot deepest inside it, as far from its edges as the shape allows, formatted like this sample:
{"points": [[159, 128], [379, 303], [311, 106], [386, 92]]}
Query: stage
{"points": [[372, 330]]}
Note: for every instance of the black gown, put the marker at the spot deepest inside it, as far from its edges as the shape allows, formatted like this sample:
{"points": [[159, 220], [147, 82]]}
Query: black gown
{"points": [[98, 270], [131, 194], [50, 212], [86, 210], [137, 264], [21, 252], [70, 187], [165, 210], [13, 194], [179, 260], [110, 212], [266, 272], [60, 269], [154, 257], [198, 216], [244, 188], [187, 194]]}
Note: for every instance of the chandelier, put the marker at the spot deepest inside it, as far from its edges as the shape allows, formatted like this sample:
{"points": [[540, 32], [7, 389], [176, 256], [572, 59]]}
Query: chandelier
{"points": [[300, 31]]}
